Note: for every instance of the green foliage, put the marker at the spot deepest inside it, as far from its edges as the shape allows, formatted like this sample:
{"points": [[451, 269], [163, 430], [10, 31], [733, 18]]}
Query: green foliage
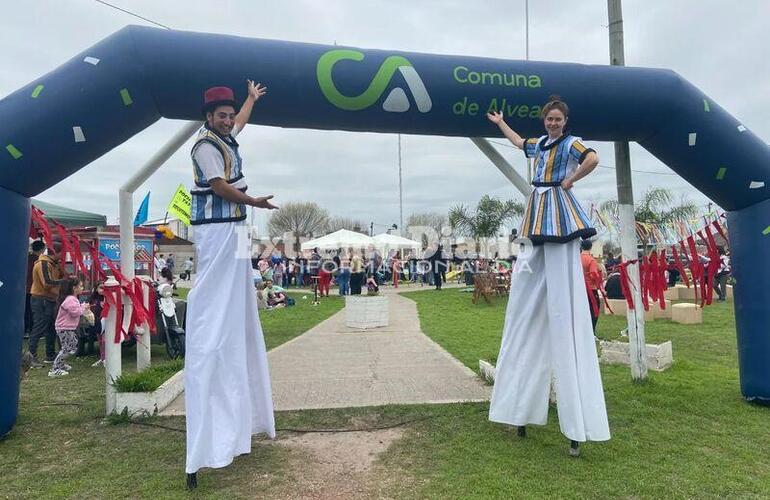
{"points": [[486, 220], [90, 460], [684, 433], [150, 379], [655, 208]]}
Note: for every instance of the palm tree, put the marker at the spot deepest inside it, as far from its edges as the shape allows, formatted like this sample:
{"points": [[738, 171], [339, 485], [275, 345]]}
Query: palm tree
{"points": [[299, 219], [486, 220], [655, 208]]}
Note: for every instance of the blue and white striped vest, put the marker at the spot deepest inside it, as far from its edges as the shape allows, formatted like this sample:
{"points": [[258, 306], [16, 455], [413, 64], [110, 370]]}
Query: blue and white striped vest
{"points": [[207, 207]]}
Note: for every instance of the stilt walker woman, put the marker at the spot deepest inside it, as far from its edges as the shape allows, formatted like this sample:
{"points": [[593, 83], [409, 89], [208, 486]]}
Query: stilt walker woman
{"points": [[227, 383], [547, 322]]}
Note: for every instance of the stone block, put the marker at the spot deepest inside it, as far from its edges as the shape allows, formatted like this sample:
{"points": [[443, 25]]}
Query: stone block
{"points": [[618, 307], [672, 293], [659, 356], [366, 312], [687, 314], [661, 313], [150, 403], [686, 293]]}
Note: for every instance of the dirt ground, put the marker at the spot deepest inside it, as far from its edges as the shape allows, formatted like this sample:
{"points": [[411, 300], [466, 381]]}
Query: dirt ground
{"points": [[336, 464]]}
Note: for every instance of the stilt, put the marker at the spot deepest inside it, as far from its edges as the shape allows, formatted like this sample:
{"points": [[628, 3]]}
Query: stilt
{"points": [[574, 449], [521, 431], [192, 481]]}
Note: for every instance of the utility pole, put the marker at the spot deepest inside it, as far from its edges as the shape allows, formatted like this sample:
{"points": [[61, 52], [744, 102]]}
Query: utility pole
{"points": [[526, 54], [628, 243], [400, 190]]}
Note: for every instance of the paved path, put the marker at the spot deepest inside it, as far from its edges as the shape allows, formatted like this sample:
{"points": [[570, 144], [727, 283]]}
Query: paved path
{"points": [[333, 366]]}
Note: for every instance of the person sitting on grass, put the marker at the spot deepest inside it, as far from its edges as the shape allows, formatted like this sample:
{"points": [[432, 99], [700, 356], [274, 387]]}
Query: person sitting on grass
{"points": [[275, 298], [261, 296]]}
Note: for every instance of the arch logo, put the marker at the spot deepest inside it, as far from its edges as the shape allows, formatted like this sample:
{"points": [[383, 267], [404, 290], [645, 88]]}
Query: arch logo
{"points": [[396, 101]]}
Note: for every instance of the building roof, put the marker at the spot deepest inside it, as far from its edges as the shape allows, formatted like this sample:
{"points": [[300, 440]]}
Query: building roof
{"points": [[69, 217]]}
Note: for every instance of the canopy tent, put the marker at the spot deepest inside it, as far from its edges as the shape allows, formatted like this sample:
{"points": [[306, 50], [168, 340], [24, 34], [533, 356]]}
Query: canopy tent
{"points": [[385, 242], [68, 217], [339, 239]]}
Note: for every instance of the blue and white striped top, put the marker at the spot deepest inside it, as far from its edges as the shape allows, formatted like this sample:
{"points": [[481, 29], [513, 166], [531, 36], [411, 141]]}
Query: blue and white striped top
{"points": [[553, 214], [216, 156]]}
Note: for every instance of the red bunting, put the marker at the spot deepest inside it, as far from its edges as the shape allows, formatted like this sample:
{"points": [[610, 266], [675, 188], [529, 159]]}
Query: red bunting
{"points": [[652, 269], [134, 289], [77, 255], [113, 298], [625, 283], [139, 314]]}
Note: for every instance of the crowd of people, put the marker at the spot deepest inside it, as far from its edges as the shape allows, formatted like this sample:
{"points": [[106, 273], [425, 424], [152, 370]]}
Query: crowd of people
{"points": [[58, 309], [356, 272]]}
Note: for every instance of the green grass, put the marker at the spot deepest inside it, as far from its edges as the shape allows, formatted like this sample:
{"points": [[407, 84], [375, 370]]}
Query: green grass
{"points": [[63, 447], [685, 433], [282, 325], [149, 379]]}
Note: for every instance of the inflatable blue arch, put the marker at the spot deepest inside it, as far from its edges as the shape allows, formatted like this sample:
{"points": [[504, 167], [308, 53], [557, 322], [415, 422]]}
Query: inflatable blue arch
{"points": [[100, 98]]}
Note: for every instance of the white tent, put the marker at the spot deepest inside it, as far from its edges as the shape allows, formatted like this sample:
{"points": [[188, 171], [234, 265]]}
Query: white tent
{"points": [[385, 242], [339, 239]]}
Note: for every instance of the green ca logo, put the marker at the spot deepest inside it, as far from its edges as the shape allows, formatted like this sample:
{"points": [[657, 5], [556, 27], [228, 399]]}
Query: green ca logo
{"points": [[396, 101]]}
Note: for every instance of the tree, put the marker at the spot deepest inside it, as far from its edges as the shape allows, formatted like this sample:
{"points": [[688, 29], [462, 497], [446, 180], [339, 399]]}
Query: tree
{"points": [[337, 223], [486, 220], [299, 219], [432, 220], [655, 208]]}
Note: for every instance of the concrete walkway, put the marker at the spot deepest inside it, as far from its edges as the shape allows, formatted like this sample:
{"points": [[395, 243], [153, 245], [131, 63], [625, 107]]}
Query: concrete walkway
{"points": [[333, 366]]}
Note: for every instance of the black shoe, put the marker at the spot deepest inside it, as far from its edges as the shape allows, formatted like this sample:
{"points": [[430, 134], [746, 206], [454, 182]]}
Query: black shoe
{"points": [[192, 481], [574, 450], [521, 431]]}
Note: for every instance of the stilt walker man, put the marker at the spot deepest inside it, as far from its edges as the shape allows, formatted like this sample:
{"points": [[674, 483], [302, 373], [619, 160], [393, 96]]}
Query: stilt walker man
{"points": [[548, 328], [227, 384]]}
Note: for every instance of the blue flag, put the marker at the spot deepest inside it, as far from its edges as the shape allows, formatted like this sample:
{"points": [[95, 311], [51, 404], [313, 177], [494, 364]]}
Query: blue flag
{"points": [[143, 212]]}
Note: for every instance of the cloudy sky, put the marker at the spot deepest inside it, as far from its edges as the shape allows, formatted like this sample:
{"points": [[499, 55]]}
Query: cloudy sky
{"points": [[721, 47]]}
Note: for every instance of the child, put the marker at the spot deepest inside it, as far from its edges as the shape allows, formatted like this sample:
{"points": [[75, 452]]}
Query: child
{"points": [[67, 321], [371, 285], [97, 330]]}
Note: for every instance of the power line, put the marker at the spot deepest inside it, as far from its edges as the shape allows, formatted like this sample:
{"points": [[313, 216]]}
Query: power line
{"points": [[132, 14], [600, 165]]}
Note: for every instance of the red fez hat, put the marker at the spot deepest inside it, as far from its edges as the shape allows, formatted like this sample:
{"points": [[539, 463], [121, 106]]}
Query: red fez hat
{"points": [[218, 96]]}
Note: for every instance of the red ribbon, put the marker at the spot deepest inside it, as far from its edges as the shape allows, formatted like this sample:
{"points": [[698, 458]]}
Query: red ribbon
{"points": [[625, 284], [679, 266], [718, 227], [112, 298], [96, 263], [139, 314], [77, 256], [42, 224], [65, 247], [695, 266], [662, 283]]}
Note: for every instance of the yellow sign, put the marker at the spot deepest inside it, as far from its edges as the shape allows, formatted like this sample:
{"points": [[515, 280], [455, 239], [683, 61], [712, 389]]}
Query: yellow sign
{"points": [[180, 204]]}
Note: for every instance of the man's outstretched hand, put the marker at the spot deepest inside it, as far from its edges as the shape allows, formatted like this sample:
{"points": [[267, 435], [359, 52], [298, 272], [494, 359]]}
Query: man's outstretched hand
{"points": [[255, 91], [264, 202]]}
